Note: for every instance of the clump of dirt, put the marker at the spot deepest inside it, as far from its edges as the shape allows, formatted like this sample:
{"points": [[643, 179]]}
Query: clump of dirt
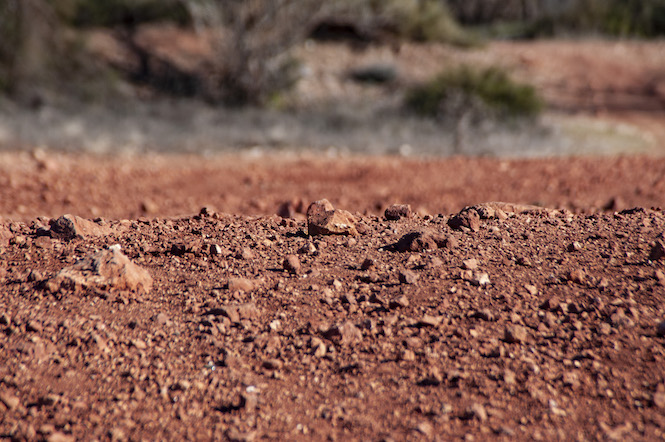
{"points": [[527, 323]]}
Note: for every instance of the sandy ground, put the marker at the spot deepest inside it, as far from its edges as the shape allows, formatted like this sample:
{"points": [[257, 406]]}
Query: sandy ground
{"points": [[195, 297], [153, 318]]}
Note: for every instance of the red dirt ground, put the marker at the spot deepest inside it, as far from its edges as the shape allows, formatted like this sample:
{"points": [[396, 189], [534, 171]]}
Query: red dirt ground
{"points": [[531, 324]]}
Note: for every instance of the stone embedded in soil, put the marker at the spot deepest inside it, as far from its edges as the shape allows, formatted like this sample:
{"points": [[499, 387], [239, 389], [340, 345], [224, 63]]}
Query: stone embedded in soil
{"points": [[345, 333], [470, 264], [657, 251], [235, 312], [659, 399], [400, 301], [418, 241], [476, 278], [241, 284], [68, 227], [577, 276], [292, 264], [9, 400], [660, 329], [515, 334], [398, 211], [5, 235], [324, 219], [408, 277], [104, 270]]}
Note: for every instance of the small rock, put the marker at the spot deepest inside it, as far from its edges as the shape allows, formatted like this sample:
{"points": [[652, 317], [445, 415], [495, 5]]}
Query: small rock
{"points": [[103, 270], [408, 277], [659, 399], [319, 207], [429, 321], [660, 329], [532, 289], [215, 250], [397, 211], [509, 377], [515, 334], [467, 218], [246, 253], [307, 249], [570, 379], [5, 319], [485, 314], [574, 247], [292, 264], [604, 328], [470, 264], [68, 227], [273, 364], [345, 333], [240, 284], [419, 241], [476, 411], [367, 264], [318, 346], [59, 436], [324, 219], [577, 276], [9, 400], [162, 319], [400, 301], [425, 428], [657, 251], [34, 326], [408, 355], [476, 278]]}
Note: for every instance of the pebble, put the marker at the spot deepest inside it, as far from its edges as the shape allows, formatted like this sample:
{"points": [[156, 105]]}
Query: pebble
{"points": [[429, 321], [532, 289], [425, 428], [574, 247], [577, 276], [470, 264], [292, 264], [476, 278], [408, 277], [657, 251], [397, 211], [400, 301], [9, 400], [346, 333], [240, 284], [367, 264], [515, 334], [419, 241], [324, 219], [467, 219], [659, 399], [476, 411], [660, 329]]}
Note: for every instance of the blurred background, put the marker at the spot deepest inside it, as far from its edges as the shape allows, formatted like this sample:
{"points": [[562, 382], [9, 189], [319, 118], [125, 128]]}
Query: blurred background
{"points": [[407, 77]]}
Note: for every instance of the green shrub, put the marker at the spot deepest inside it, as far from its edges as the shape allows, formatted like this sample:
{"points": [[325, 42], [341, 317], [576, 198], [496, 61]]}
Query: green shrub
{"points": [[621, 18], [427, 20], [466, 88]]}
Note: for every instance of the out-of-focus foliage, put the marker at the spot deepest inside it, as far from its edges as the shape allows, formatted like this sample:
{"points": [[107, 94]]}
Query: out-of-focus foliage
{"points": [[252, 39], [483, 92], [534, 18], [107, 13]]}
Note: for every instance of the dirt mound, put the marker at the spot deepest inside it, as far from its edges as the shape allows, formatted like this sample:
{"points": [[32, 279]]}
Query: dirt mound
{"points": [[536, 324]]}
